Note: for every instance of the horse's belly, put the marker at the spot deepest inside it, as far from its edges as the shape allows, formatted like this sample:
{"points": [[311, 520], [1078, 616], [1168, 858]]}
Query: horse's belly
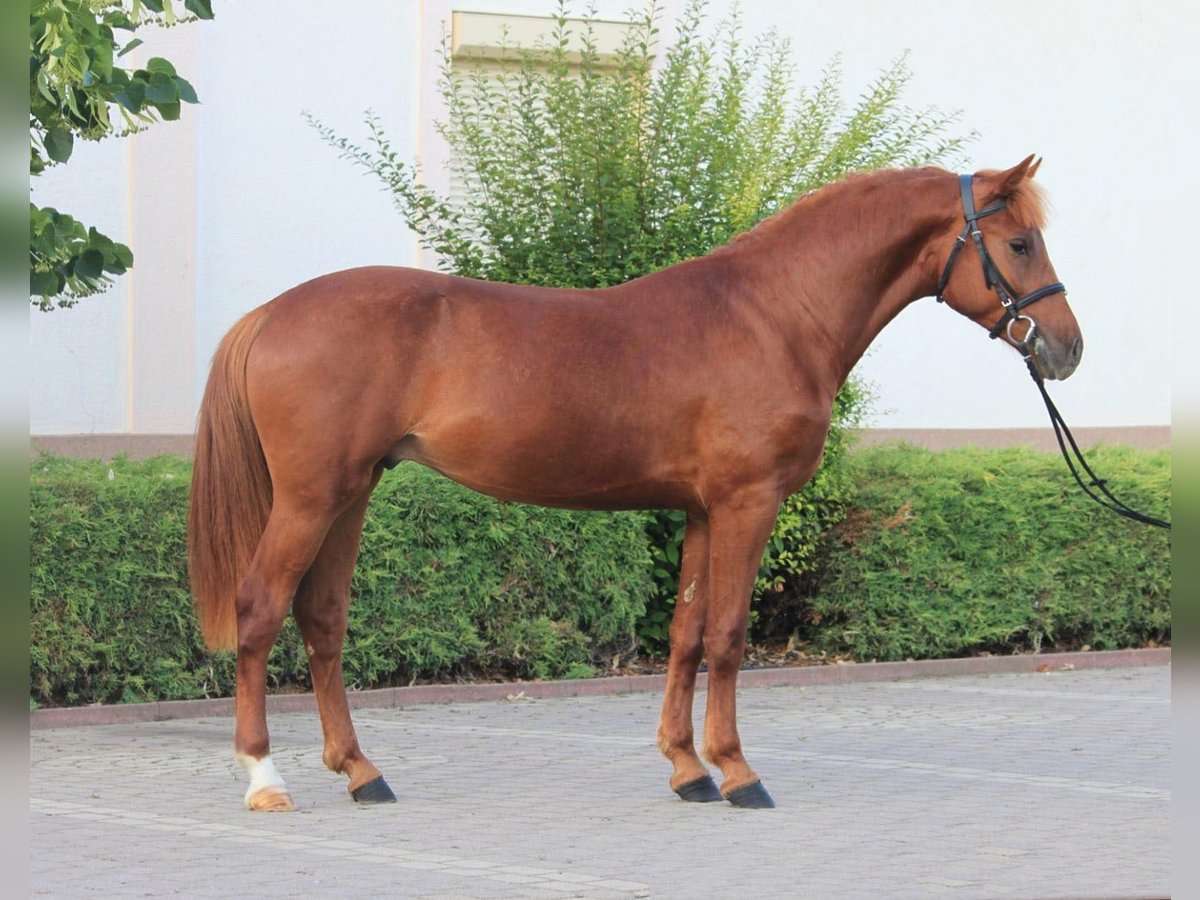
{"points": [[562, 469]]}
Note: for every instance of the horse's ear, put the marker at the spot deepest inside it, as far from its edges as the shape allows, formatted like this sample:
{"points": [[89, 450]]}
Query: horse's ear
{"points": [[997, 185]]}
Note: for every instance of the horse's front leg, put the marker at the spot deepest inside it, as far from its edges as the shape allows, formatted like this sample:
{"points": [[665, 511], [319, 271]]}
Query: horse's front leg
{"points": [[690, 779], [738, 532]]}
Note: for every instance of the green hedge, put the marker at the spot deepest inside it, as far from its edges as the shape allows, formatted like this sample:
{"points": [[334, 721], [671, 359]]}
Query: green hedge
{"points": [[938, 554], [970, 551], [449, 583]]}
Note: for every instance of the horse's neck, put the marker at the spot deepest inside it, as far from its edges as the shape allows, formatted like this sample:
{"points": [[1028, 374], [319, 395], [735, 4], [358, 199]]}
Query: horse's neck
{"points": [[846, 266]]}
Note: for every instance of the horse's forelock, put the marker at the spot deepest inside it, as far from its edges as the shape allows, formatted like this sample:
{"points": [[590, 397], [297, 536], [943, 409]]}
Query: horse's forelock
{"points": [[1027, 202]]}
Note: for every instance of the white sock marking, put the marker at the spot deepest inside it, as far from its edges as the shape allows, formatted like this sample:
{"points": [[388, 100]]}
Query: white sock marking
{"points": [[262, 774]]}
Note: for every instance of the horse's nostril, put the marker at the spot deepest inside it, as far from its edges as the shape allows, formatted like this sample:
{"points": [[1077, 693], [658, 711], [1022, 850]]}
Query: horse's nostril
{"points": [[1076, 350]]}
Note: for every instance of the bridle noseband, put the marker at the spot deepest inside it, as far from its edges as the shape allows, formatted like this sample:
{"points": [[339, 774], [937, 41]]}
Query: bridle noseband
{"points": [[992, 276]]}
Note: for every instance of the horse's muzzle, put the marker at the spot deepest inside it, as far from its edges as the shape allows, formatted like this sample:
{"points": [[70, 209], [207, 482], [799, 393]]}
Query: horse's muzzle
{"points": [[1054, 361]]}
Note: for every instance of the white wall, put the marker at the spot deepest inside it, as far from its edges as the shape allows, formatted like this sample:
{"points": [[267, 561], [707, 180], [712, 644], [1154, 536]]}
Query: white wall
{"points": [[277, 205], [77, 379], [242, 200]]}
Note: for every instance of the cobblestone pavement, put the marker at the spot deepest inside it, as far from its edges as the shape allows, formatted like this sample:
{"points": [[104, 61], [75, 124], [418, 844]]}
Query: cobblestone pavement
{"points": [[1045, 785]]}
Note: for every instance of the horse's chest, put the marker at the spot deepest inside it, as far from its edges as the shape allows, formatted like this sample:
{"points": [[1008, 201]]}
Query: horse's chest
{"points": [[797, 444]]}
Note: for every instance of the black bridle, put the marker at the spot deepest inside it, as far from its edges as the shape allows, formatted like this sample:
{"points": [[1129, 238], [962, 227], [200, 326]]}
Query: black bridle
{"points": [[992, 276], [1096, 487]]}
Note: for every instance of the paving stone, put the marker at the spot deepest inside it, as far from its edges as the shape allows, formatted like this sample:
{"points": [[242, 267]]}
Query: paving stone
{"points": [[1031, 785]]}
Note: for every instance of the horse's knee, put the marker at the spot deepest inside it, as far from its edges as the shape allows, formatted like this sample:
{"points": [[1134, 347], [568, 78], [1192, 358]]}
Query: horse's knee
{"points": [[724, 647], [687, 645], [322, 656]]}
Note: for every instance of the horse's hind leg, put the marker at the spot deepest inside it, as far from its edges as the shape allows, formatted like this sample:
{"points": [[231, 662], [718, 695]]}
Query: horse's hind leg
{"points": [[738, 533], [294, 533], [690, 780], [321, 607]]}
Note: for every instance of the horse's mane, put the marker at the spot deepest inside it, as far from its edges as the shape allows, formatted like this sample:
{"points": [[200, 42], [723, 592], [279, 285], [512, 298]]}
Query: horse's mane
{"points": [[853, 179], [1027, 203]]}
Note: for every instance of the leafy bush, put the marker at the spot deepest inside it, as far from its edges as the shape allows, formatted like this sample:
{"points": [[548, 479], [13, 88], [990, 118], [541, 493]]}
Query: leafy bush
{"points": [[969, 551], [452, 582], [110, 612], [449, 583], [583, 174]]}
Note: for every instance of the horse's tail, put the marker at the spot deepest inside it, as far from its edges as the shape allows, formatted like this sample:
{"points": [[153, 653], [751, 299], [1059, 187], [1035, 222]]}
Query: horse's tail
{"points": [[231, 488]]}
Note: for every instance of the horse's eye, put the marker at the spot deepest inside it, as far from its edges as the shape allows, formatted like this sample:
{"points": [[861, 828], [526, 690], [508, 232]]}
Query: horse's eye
{"points": [[1019, 247]]}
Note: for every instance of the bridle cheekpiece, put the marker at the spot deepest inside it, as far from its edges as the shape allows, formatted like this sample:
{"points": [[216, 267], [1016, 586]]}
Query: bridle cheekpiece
{"points": [[992, 276]]}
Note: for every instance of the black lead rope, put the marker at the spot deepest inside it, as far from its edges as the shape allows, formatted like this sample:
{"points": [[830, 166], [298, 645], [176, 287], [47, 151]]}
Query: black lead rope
{"points": [[1097, 487]]}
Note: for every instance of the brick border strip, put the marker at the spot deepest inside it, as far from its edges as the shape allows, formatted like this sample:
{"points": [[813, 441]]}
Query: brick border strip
{"points": [[392, 698]]}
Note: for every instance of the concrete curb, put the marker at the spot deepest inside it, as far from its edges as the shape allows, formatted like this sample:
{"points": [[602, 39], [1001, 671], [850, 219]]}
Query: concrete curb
{"points": [[391, 698]]}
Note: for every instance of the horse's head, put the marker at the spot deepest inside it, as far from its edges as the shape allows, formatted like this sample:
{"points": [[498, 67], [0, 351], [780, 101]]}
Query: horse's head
{"points": [[999, 274]]}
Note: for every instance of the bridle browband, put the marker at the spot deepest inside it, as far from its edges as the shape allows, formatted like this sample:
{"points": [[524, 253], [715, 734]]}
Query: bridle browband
{"points": [[992, 275], [1095, 487]]}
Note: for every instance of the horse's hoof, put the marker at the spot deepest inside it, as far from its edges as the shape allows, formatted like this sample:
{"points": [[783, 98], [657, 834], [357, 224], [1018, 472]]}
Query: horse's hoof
{"points": [[702, 790], [751, 796], [374, 791], [272, 798]]}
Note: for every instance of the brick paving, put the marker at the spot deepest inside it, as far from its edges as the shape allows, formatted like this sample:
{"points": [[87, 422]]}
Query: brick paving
{"points": [[1030, 785]]}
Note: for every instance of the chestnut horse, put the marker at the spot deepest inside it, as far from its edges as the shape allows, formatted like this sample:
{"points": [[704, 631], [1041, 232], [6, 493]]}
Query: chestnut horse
{"points": [[705, 387]]}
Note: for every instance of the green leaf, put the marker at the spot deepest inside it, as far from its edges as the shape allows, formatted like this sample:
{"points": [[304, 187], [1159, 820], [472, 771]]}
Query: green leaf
{"points": [[161, 89], [136, 42], [133, 95], [44, 284], [201, 9], [169, 111], [187, 93], [158, 64], [118, 18], [100, 241], [59, 143], [90, 264], [64, 227]]}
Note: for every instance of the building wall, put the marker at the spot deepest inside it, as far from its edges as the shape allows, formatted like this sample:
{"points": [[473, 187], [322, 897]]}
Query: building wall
{"points": [[241, 199], [77, 376]]}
